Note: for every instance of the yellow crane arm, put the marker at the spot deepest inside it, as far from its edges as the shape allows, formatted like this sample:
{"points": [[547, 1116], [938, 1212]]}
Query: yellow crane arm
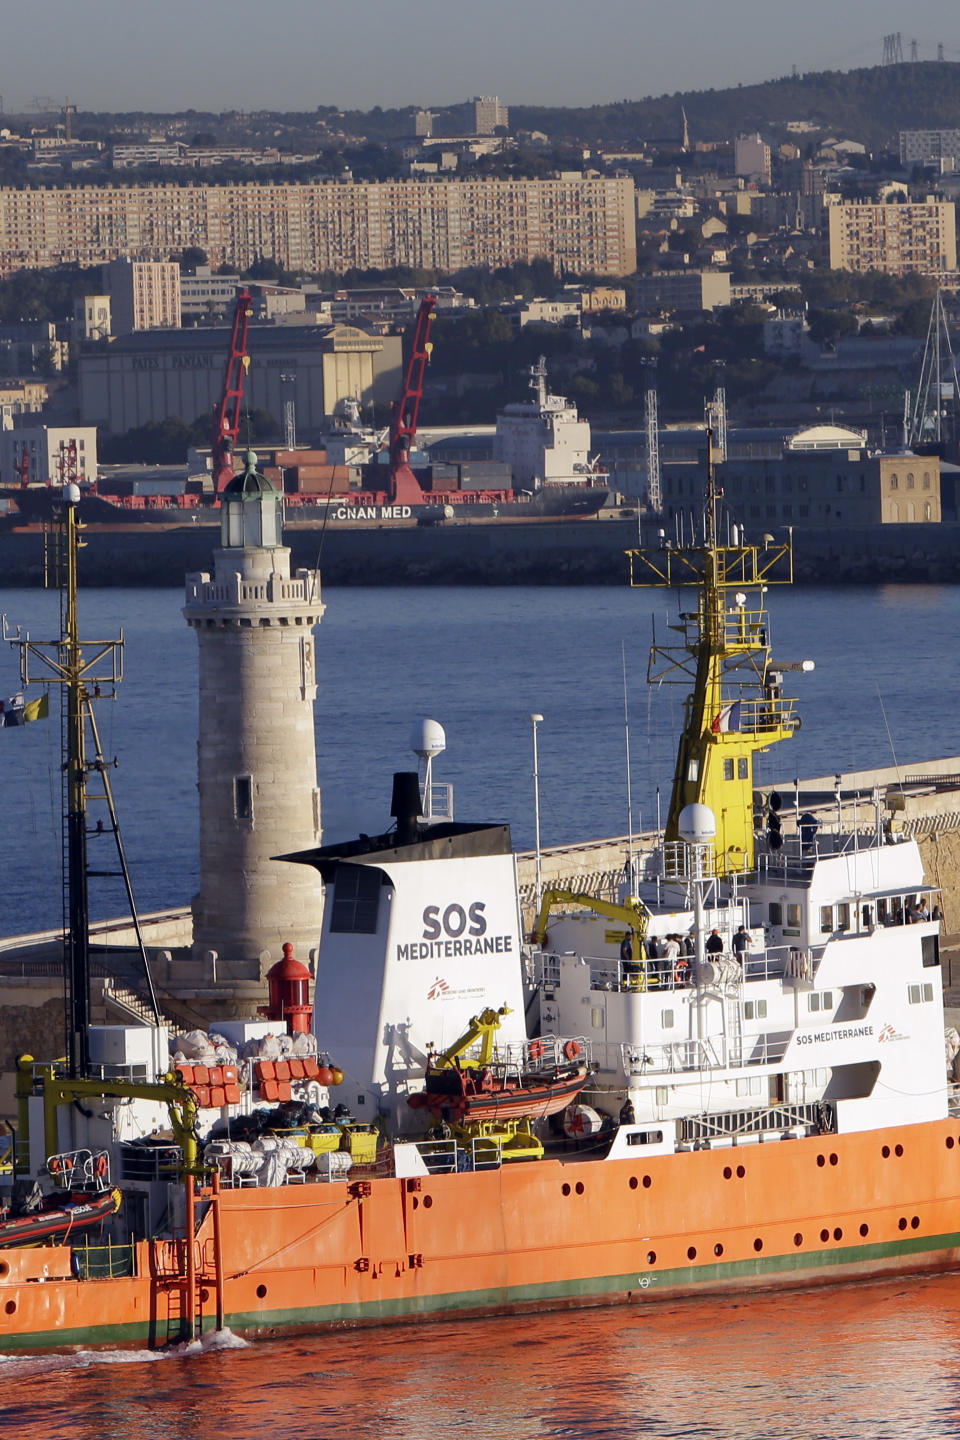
{"points": [[633, 913], [481, 1027]]}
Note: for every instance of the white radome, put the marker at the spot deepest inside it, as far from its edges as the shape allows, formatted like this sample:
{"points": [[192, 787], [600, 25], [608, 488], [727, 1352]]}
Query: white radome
{"points": [[697, 824], [428, 739]]}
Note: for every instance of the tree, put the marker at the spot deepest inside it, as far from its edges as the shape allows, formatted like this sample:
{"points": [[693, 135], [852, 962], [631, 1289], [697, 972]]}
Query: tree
{"points": [[191, 256]]}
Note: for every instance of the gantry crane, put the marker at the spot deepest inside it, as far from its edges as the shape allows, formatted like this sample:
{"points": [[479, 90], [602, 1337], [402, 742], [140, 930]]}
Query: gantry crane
{"points": [[405, 488], [226, 416]]}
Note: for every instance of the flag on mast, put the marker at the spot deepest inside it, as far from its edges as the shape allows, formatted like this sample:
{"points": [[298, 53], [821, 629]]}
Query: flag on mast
{"points": [[14, 711]]}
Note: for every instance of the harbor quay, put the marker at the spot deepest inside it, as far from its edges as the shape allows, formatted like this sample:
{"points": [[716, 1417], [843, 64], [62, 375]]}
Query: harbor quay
{"points": [[542, 552]]}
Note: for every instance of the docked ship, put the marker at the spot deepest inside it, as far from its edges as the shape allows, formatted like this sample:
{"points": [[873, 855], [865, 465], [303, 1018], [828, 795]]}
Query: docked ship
{"points": [[543, 468], [758, 1010]]}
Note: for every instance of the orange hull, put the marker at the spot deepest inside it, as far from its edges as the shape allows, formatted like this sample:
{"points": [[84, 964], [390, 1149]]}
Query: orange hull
{"points": [[317, 1256]]}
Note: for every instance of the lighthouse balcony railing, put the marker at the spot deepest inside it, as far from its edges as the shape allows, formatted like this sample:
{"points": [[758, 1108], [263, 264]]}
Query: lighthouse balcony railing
{"points": [[276, 589]]}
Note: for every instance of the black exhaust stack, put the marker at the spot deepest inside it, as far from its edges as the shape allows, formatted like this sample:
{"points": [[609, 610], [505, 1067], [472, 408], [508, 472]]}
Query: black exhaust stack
{"points": [[405, 806]]}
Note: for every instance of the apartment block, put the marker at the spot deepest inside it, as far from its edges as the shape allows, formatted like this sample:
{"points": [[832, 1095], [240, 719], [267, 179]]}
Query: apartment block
{"points": [[489, 115], [144, 294], [928, 147], [578, 222], [683, 290], [751, 159], [898, 239]]}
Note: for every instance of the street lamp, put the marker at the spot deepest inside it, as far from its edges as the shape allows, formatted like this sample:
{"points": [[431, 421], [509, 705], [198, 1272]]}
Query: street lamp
{"points": [[535, 720]]}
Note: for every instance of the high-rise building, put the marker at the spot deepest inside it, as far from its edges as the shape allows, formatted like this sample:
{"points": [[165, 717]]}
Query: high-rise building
{"points": [[928, 147], [576, 222], [423, 122], [899, 239], [144, 294], [489, 115], [751, 159]]}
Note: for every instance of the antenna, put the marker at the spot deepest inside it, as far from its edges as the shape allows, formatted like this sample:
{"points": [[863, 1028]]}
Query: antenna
{"points": [[893, 49], [938, 380], [626, 732], [288, 383], [654, 485]]}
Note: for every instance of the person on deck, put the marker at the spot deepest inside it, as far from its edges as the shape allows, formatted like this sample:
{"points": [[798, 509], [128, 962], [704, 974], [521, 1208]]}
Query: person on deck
{"points": [[714, 945]]}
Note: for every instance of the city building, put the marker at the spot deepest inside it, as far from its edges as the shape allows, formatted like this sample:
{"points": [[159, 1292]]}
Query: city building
{"points": [[423, 122], [92, 318], [47, 454], [895, 238], [578, 223], [144, 294], [751, 159], [206, 296], [489, 115], [152, 376], [824, 476], [929, 147], [683, 290]]}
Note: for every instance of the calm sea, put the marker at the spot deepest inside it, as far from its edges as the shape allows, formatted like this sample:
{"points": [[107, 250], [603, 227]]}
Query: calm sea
{"points": [[480, 661], [871, 1361]]}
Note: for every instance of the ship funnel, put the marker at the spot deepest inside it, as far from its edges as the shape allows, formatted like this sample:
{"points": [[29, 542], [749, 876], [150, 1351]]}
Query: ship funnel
{"points": [[405, 805]]}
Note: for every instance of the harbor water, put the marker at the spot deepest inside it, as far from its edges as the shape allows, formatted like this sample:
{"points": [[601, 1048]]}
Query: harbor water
{"points": [[886, 690], [877, 1361]]}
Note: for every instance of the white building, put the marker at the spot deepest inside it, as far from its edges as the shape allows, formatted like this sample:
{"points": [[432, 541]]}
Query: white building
{"points": [[144, 294], [92, 318], [751, 159], [927, 147], [48, 454]]}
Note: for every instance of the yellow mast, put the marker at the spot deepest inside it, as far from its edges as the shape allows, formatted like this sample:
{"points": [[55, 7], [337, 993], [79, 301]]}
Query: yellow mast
{"points": [[735, 709]]}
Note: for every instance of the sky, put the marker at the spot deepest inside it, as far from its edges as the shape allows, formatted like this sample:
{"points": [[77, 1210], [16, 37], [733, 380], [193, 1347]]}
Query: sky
{"points": [[166, 55]]}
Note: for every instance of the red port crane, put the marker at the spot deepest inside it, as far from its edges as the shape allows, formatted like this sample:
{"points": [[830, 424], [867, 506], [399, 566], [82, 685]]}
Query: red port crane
{"points": [[404, 412], [226, 415]]}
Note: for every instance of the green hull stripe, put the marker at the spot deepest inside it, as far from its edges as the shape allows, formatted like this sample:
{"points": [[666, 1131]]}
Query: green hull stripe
{"points": [[833, 1262]]}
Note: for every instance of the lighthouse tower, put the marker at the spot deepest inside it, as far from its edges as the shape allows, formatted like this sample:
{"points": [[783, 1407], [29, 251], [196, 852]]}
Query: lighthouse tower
{"points": [[256, 753]]}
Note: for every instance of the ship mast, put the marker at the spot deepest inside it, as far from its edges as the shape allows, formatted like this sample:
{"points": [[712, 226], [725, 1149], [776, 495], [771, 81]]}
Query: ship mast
{"points": [[735, 709], [86, 669]]}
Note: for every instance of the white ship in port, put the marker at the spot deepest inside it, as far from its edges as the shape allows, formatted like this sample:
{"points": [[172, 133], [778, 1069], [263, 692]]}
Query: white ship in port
{"points": [[544, 441]]}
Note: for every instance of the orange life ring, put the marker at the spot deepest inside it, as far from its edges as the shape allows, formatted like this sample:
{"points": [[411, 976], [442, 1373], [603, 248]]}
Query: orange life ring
{"points": [[54, 1165], [100, 1166], [535, 1049], [571, 1050]]}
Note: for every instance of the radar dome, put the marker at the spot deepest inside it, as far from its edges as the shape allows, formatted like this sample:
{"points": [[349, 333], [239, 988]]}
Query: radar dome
{"points": [[697, 824], [71, 494], [427, 739]]}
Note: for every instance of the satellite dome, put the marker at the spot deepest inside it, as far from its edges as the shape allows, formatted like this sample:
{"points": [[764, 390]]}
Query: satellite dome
{"points": [[697, 824], [427, 739]]}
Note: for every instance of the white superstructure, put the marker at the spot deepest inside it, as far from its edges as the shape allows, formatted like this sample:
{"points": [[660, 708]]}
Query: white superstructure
{"points": [[544, 441]]}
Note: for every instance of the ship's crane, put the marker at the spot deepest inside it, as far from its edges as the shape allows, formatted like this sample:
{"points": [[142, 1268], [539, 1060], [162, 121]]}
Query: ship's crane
{"points": [[405, 488], [226, 416]]}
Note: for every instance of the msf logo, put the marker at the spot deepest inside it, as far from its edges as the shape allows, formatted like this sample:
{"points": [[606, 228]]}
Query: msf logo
{"points": [[438, 989]]}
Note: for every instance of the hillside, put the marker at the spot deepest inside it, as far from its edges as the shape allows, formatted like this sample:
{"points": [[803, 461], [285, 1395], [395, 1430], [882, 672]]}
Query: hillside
{"points": [[870, 105]]}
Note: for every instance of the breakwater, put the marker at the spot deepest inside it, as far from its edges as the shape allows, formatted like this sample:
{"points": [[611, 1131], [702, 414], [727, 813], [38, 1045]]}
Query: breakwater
{"points": [[571, 552]]}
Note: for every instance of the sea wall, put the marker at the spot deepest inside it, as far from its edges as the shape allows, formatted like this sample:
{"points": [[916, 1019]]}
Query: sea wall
{"points": [[563, 552]]}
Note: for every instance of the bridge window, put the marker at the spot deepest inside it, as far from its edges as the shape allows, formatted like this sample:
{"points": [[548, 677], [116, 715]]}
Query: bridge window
{"points": [[820, 1001], [843, 916], [920, 994], [743, 768], [776, 912], [728, 769], [754, 1009], [826, 919], [666, 1019], [793, 916], [356, 900]]}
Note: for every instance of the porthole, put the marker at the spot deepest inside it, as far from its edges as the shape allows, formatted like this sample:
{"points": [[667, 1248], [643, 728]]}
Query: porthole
{"points": [[885, 1152], [902, 1223], [824, 1235], [821, 1161], [798, 1239], [261, 1292], [915, 1222], [898, 1150], [727, 1173], [579, 1187], [11, 1307], [651, 1257], [834, 1159], [204, 1296], [740, 1172], [949, 1142], [692, 1253], [416, 1203], [564, 1189], [647, 1182], [864, 1229], [427, 1201], [838, 1233], [758, 1244], [634, 1182], [718, 1249], [4, 1267]]}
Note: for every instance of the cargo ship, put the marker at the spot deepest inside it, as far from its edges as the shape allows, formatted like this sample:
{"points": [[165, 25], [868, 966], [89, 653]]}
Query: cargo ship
{"points": [[543, 469], [758, 1010]]}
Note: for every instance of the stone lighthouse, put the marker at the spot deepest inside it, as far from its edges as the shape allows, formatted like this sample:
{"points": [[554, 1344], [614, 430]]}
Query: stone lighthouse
{"points": [[256, 753]]}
